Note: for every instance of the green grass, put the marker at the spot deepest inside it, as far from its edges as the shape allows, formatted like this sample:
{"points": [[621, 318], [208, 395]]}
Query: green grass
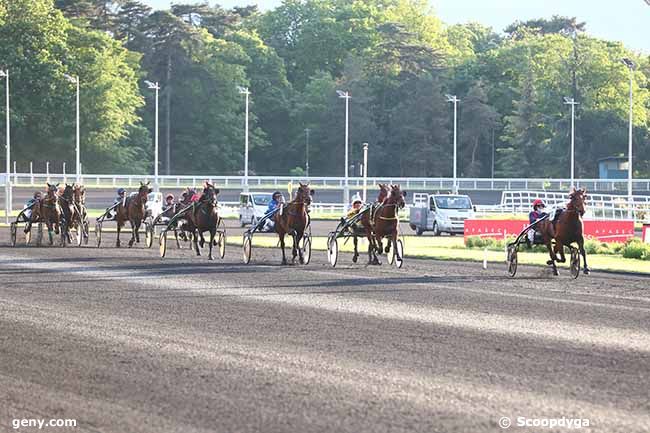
{"points": [[452, 248]]}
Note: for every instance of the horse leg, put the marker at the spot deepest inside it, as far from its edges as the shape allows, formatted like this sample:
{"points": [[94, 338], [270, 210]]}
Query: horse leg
{"points": [[553, 258], [284, 257], [296, 246], [136, 232], [178, 244], [394, 242], [49, 233], [202, 241], [119, 229], [213, 231], [388, 244], [355, 257], [133, 230], [581, 245], [195, 240]]}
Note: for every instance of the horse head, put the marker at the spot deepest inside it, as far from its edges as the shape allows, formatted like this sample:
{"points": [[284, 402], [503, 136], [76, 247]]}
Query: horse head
{"points": [[383, 192], [68, 192], [144, 190], [578, 200], [79, 193], [396, 196], [304, 193], [210, 192]]}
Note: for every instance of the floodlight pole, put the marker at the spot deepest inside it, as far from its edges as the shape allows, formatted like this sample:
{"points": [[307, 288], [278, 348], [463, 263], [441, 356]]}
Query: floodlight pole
{"points": [[155, 86], [346, 95], [631, 66], [453, 99], [8, 191], [246, 92], [572, 103]]}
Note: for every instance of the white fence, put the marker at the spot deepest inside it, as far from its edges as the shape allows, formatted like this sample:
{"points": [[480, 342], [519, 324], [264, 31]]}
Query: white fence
{"points": [[599, 206], [264, 182]]}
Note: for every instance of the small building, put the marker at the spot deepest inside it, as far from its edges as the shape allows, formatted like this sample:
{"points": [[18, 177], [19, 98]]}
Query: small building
{"points": [[613, 167]]}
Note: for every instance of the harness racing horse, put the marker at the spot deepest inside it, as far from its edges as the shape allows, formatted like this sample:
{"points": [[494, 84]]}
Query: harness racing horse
{"points": [[383, 193], [51, 211], [205, 217], [69, 213], [133, 210], [384, 224], [569, 229], [292, 220]]}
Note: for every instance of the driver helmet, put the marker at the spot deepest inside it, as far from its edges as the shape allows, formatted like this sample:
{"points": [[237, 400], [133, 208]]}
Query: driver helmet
{"points": [[121, 191], [277, 195], [37, 194], [538, 203], [169, 196], [356, 199]]}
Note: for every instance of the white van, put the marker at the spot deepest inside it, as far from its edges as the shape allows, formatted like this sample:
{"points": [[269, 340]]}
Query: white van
{"points": [[440, 213], [253, 206]]}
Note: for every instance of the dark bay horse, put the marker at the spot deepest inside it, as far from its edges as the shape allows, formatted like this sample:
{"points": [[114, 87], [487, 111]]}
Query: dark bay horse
{"points": [[133, 210], [383, 193], [51, 211], [384, 224], [69, 213], [204, 217], [569, 229], [292, 220]]}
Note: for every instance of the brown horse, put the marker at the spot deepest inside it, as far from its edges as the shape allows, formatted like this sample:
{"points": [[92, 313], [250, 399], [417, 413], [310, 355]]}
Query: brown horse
{"points": [[384, 224], [292, 220], [568, 229], [133, 210], [80, 202], [204, 217], [383, 193], [51, 211], [69, 213]]}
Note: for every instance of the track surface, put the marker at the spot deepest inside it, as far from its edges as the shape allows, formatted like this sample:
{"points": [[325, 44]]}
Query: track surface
{"points": [[124, 342]]}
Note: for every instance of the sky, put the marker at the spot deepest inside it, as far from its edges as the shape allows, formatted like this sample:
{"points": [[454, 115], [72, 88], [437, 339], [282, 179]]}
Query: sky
{"points": [[623, 20]]}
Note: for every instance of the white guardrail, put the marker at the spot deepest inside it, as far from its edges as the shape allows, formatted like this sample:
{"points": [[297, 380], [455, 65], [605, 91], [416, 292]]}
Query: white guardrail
{"points": [[407, 183]]}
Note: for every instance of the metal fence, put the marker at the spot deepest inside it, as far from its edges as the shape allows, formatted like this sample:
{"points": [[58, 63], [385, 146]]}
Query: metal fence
{"points": [[268, 182]]}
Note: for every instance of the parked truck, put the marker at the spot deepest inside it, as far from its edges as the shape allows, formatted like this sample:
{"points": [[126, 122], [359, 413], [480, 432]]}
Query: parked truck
{"points": [[440, 213]]}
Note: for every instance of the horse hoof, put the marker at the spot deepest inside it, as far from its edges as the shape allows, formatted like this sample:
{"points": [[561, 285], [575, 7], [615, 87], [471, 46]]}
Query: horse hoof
{"points": [[586, 271], [283, 263], [555, 272], [549, 262], [354, 259], [210, 258], [387, 250]]}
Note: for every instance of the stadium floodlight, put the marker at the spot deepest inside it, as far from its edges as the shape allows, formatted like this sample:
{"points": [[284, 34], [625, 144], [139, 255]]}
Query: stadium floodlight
{"points": [[156, 185], [75, 81], [244, 91], [346, 188], [629, 63], [454, 100], [572, 103], [5, 74]]}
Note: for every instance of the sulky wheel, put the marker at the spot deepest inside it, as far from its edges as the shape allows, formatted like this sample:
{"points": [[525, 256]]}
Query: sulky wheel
{"points": [[163, 244], [149, 234], [512, 260], [399, 253], [306, 248], [98, 233], [222, 244], [248, 247], [13, 229], [575, 263], [39, 234], [332, 250]]}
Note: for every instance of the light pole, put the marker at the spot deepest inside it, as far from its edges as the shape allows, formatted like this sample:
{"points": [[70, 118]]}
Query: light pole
{"points": [[572, 103], [307, 152], [245, 91], [346, 96], [75, 80], [365, 171], [8, 198], [155, 86], [631, 66], [453, 99]]}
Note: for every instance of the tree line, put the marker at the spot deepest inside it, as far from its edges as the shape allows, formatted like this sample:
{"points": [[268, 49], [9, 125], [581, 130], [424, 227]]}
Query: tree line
{"points": [[396, 58]]}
